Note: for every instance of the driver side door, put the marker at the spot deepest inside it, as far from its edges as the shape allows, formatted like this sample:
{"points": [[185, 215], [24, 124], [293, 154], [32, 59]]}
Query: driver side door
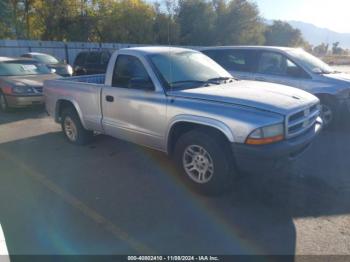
{"points": [[132, 109]]}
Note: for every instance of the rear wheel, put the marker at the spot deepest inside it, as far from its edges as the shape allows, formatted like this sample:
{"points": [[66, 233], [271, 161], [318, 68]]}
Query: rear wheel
{"points": [[3, 103], [205, 162], [73, 129]]}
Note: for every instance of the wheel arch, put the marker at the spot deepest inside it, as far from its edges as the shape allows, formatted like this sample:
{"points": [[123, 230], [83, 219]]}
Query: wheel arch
{"points": [[183, 124], [63, 103], [325, 96]]}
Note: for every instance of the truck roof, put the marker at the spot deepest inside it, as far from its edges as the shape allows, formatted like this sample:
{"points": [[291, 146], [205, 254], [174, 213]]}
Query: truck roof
{"points": [[157, 49], [36, 53], [281, 48]]}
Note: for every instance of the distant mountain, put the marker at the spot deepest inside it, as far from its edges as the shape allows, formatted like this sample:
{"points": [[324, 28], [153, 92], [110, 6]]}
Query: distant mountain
{"points": [[316, 35]]}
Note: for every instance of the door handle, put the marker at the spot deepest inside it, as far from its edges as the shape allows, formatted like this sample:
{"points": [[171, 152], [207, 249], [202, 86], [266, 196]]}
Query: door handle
{"points": [[260, 79], [109, 98]]}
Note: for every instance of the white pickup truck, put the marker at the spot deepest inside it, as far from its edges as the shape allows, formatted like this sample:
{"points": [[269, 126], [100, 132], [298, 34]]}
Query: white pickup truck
{"points": [[181, 102]]}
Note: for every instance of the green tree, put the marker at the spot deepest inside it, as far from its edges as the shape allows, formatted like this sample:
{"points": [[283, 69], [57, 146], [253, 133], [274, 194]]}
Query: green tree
{"points": [[6, 28], [336, 50], [321, 49], [238, 22], [283, 34], [166, 30], [196, 21], [126, 21]]}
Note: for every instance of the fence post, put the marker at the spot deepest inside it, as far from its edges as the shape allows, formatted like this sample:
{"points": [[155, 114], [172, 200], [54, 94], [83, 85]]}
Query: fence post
{"points": [[66, 52]]}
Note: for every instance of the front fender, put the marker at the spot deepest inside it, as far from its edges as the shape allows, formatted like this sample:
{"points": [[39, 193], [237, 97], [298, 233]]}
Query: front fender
{"points": [[206, 121]]}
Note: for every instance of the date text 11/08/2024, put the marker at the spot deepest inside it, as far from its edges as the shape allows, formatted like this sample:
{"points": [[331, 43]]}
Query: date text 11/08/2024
{"points": [[173, 258]]}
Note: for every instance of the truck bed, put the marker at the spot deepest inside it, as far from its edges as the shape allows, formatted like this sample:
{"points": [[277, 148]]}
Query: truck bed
{"points": [[83, 91]]}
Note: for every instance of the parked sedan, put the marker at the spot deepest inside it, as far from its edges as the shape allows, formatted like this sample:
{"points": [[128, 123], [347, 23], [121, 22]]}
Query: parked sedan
{"points": [[57, 66], [289, 66], [21, 82]]}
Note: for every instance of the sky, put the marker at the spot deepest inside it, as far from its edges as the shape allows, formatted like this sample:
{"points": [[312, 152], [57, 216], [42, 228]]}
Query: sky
{"points": [[331, 14]]}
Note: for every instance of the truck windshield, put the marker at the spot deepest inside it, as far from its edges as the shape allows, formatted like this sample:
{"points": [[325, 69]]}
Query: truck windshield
{"points": [[312, 63], [187, 69], [21, 68]]}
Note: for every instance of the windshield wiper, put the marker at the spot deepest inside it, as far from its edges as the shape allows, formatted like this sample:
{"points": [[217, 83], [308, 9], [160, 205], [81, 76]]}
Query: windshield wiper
{"points": [[220, 79], [216, 80], [186, 81]]}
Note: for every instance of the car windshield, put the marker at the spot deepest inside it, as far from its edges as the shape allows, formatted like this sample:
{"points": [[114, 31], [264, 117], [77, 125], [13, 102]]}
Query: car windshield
{"points": [[313, 63], [187, 69], [21, 68], [46, 59]]}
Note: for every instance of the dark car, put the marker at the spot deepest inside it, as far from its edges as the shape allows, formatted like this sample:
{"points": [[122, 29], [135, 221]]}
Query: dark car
{"points": [[91, 62], [57, 66], [21, 82]]}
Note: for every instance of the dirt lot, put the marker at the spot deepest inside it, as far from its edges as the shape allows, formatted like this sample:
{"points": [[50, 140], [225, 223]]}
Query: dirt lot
{"points": [[112, 197]]}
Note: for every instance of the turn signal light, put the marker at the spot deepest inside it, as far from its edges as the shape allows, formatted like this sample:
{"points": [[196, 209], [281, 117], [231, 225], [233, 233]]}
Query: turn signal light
{"points": [[264, 141], [7, 90]]}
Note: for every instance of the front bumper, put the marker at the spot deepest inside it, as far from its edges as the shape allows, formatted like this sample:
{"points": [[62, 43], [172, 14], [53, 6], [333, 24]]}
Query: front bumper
{"points": [[16, 101], [260, 159]]}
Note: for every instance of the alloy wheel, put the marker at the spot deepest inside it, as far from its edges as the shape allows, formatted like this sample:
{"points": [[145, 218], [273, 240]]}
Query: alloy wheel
{"points": [[198, 164], [70, 129], [326, 114]]}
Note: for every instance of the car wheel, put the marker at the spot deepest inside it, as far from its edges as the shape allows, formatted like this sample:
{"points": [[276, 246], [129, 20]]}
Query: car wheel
{"points": [[205, 162], [3, 103], [73, 129], [328, 113]]}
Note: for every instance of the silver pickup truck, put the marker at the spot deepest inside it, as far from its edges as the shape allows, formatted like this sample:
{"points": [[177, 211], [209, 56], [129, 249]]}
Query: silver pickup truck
{"points": [[181, 102]]}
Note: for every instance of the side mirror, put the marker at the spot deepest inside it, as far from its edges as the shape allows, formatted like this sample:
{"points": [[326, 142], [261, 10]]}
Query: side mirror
{"points": [[141, 83], [317, 70]]}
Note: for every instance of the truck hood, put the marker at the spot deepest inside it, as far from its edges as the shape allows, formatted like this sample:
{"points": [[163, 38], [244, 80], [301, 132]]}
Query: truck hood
{"points": [[264, 96], [338, 76]]}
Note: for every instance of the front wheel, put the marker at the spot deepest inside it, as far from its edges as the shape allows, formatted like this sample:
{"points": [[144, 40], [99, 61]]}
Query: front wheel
{"points": [[329, 113], [205, 162], [73, 129]]}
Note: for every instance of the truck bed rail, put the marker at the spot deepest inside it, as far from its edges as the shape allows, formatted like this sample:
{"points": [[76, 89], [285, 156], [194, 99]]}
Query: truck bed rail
{"points": [[92, 79]]}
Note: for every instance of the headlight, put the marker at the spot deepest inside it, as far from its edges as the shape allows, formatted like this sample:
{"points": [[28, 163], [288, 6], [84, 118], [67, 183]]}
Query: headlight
{"points": [[266, 135], [22, 90], [69, 70]]}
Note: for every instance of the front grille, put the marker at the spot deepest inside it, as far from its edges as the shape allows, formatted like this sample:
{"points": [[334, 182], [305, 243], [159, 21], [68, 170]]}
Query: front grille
{"points": [[301, 121], [38, 89]]}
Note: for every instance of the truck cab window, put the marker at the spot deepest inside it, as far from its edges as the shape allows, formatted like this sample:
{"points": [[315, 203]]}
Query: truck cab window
{"points": [[277, 64], [234, 60], [129, 70]]}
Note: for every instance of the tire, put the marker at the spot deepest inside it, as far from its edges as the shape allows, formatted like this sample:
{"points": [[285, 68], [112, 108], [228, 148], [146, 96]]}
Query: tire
{"points": [[329, 114], [72, 128], [3, 103], [210, 169]]}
